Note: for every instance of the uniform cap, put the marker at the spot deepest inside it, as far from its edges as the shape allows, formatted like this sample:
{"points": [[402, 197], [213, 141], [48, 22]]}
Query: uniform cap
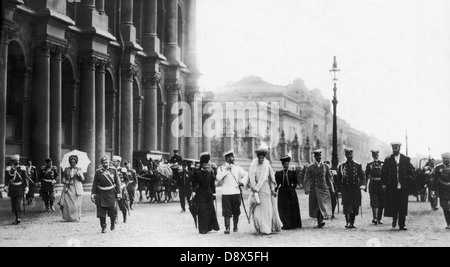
{"points": [[317, 151], [228, 153], [446, 155], [15, 157], [117, 158], [396, 144]]}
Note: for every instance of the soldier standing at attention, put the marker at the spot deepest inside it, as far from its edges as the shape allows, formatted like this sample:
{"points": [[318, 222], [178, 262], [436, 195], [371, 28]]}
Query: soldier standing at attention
{"points": [[351, 180], [106, 193], [16, 186], [376, 191], [442, 175], [31, 175], [48, 176]]}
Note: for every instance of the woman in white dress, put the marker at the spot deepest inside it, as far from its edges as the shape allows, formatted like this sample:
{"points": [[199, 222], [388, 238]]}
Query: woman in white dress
{"points": [[263, 206], [72, 195]]}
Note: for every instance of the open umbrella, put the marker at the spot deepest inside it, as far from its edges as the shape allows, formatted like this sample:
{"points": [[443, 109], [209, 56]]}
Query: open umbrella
{"points": [[194, 208], [83, 160]]}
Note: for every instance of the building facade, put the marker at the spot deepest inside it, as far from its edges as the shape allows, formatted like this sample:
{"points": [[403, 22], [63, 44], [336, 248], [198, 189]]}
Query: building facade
{"points": [[305, 124], [100, 76]]}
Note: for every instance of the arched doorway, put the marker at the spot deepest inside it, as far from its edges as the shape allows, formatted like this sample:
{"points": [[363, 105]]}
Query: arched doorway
{"points": [[15, 101], [69, 96]]}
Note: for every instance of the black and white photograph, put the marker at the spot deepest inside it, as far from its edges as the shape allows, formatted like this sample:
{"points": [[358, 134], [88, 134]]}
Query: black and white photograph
{"points": [[224, 124]]}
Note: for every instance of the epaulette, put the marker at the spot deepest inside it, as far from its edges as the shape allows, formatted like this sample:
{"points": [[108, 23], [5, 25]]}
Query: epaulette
{"points": [[8, 168], [99, 169], [357, 163], [439, 165]]}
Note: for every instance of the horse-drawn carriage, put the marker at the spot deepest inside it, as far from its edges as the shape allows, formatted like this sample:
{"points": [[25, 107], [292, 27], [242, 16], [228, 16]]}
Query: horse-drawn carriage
{"points": [[155, 177]]}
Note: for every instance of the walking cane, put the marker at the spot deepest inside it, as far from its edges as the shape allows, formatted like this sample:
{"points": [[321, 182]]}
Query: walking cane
{"points": [[24, 211]]}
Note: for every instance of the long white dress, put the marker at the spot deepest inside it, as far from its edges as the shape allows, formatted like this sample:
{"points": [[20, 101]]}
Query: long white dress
{"points": [[266, 219]]}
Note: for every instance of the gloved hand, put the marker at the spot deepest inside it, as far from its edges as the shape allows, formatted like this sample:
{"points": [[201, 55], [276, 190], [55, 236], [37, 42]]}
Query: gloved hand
{"points": [[6, 189], [93, 197], [27, 190]]}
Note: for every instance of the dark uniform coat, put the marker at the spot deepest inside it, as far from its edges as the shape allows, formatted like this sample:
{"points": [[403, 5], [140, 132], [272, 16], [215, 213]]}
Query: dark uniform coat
{"points": [[204, 186], [442, 175], [318, 184], [16, 182], [376, 191], [106, 179], [31, 174], [288, 206], [132, 180], [396, 199], [350, 178], [48, 178]]}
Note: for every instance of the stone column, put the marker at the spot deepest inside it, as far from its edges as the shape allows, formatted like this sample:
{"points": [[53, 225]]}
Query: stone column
{"points": [[295, 149], [282, 145], [40, 106], [100, 98], [162, 126], [171, 45], [3, 95], [56, 107], [127, 28], [150, 41], [191, 34], [151, 82], [228, 139], [192, 145], [172, 89], [87, 114], [100, 5], [126, 135]]}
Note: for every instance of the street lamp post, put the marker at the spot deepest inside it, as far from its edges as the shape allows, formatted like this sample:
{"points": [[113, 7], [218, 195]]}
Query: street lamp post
{"points": [[335, 77]]}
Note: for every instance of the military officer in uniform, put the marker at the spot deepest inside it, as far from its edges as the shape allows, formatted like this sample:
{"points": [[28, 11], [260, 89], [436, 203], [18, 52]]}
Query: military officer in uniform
{"points": [[442, 175], [376, 191], [47, 180], [31, 175], [123, 177], [231, 177], [132, 183], [185, 186], [319, 187], [106, 192], [351, 180], [16, 186]]}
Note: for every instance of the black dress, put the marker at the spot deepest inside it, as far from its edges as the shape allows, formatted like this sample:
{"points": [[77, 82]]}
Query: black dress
{"points": [[288, 206], [204, 185]]}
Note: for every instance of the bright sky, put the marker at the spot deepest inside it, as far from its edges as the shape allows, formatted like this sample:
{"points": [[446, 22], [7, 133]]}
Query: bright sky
{"points": [[394, 57]]}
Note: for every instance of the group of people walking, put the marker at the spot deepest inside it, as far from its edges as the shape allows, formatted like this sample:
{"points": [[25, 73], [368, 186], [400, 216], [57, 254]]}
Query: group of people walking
{"points": [[273, 203]]}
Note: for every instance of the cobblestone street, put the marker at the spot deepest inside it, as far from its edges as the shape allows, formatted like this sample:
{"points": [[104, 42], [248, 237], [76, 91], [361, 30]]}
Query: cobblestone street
{"points": [[162, 225]]}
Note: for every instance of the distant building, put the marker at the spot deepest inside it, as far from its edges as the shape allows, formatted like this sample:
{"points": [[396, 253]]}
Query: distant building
{"points": [[305, 123]]}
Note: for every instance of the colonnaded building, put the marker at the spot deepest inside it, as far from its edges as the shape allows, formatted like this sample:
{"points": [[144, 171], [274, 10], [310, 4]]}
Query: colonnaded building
{"points": [[99, 76]]}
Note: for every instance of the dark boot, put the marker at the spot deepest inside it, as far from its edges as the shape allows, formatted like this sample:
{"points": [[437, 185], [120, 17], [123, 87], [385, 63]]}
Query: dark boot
{"points": [[103, 225], [347, 221], [227, 225], [17, 217], [320, 223], [124, 217], [51, 206], [235, 224], [352, 221], [47, 209], [113, 223], [375, 216], [380, 216]]}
